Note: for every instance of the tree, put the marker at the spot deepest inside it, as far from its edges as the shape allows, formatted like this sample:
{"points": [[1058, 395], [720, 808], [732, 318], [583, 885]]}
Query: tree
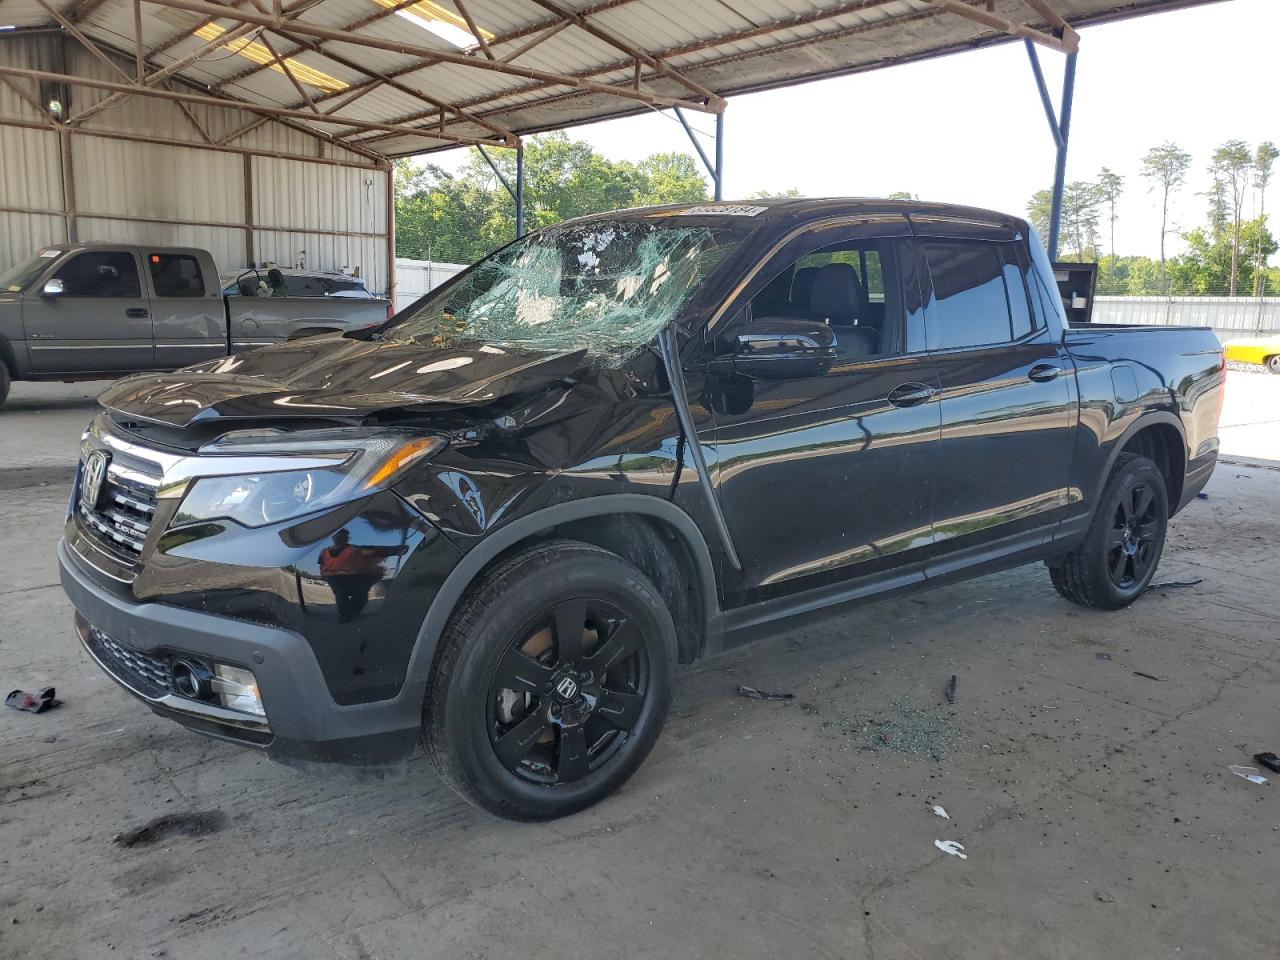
{"points": [[903, 195], [1264, 159], [1230, 167], [773, 194], [1079, 227], [1111, 186], [1166, 167], [1205, 268], [461, 217]]}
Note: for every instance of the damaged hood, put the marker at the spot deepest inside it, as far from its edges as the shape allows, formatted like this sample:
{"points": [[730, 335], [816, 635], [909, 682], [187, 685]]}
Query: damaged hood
{"points": [[333, 377]]}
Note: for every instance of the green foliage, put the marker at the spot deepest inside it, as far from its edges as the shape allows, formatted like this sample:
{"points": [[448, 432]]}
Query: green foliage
{"points": [[1206, 268], [1081, 199], [461, 218], [773, 194]]}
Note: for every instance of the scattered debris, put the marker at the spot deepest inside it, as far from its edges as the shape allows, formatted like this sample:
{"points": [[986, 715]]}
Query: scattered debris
{"points": [[1268, 760], [1248, 773], [46, 699], [751, 693], [1175, 584], [940, 812], [194, 824], [951, 847], [1103, 897], [1103, 656], [950, 692], [1202, 496], [1149, 676], [922, 732]]}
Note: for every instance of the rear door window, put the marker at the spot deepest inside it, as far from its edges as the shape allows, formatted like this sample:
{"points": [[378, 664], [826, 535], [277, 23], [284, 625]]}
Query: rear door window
{"points": [[176, 275], [100, 273], [971, 303]]}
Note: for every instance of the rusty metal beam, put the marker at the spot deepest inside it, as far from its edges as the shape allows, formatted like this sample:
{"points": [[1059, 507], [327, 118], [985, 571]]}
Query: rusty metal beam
{"points": [[83, 40], [697, 46], [160, 74], [280, 61], [640, 55], [395, 85], [169, 142], [475, 30], [84, 9], [428, 53], [289, 14], [1056, 21], [544, 36], [995, 22], [223, 102]]}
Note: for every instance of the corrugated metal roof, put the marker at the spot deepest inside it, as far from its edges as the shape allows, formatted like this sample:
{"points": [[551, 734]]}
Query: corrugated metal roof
{"points": [[685, 49]]}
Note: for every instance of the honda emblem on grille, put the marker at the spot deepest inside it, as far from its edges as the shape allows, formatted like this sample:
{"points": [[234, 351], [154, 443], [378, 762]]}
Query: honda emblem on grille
{"points": [[95, 472]]}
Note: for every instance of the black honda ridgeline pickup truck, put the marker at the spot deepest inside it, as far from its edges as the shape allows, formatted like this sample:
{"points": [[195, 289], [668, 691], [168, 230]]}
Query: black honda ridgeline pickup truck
{"points": [[499, 520]]}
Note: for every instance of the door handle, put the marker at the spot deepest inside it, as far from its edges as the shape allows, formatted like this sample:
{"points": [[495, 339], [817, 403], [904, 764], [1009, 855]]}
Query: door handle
{"points": [[911, 394], [137, 313], [1044, 372]]}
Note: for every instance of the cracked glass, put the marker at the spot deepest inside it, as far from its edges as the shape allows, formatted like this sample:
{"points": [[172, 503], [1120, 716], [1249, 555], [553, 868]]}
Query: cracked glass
{"points": [[606, 286]]}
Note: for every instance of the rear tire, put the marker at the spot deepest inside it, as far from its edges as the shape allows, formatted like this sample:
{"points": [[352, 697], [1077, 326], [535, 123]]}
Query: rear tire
{"points": [[1273, 364], [1118, 556], [553, 682], [5, 382]]}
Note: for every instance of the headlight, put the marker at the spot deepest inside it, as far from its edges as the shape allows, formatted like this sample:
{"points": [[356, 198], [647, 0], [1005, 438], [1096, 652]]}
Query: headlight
{"points": [[352, 463]]}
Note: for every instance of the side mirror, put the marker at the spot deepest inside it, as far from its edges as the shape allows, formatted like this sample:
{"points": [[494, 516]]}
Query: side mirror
{"points": [[780, 348], [53, 288]]}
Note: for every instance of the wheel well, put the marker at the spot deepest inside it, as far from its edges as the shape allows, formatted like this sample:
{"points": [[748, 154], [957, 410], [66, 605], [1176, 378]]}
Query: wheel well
{"points": [[659, 552], [1162, 444]]}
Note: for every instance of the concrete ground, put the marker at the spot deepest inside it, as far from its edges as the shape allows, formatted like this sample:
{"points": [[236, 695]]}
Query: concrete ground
{"points": [[1083, 766]]}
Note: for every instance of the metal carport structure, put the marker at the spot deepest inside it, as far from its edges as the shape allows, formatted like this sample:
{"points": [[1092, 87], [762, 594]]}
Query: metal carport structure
{"points": [[352, 84]]}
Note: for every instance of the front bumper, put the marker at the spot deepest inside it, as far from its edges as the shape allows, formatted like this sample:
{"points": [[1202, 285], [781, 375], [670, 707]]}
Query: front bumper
{"points": [[303, 725]]}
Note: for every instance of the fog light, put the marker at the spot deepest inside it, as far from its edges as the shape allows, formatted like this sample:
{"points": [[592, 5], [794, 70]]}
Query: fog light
{"points": [[237, 689]]}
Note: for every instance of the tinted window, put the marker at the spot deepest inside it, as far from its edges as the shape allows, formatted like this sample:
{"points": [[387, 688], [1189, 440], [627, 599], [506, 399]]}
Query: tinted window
{"points": [[346, 288], [852, 287], [295, 286], [109, 273], [970, 305], [1019, 306], [176, 275]]}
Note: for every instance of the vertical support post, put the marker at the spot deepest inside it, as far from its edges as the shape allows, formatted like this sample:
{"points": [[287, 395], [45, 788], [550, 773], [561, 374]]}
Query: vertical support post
{"points": [[69, 187], [719, 171], [1060, 168], [249, 242], [519, 196], [391, 239]]}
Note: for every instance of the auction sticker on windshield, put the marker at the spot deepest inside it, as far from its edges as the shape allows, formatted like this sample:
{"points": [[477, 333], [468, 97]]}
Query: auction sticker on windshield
{"points": [[724, 210]]}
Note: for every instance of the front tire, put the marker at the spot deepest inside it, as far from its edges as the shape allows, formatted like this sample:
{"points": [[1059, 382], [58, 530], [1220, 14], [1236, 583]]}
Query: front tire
{"points": [[553, 682], [1114, 564], [5, 382], [1273, 364]]}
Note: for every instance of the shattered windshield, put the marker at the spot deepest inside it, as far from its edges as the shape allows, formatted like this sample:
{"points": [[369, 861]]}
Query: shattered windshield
{"points": [[608, 286]]}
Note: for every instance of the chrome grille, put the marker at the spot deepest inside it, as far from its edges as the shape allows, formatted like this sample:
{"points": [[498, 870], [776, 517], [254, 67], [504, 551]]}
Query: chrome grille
{"points": [[123, 514], [147, 674]]}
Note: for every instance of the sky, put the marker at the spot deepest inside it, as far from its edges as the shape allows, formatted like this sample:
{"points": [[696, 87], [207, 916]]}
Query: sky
{"points": [[969, 128]]}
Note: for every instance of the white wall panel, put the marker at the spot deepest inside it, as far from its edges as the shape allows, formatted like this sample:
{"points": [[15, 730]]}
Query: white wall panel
{"points": [[22, 234], [146, 180]]}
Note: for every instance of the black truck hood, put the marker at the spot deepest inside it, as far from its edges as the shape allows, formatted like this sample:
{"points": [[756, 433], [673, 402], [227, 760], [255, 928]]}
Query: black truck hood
{"points": [[331, 377]]}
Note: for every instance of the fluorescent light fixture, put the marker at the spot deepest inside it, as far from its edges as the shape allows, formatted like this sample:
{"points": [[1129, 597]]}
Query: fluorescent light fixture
{"points": [[258, 53], [445, 24]]}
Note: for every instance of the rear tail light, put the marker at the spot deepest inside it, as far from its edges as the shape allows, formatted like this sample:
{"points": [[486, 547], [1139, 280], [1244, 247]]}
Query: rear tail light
{"points": [[1222, 383], [391, 309]]}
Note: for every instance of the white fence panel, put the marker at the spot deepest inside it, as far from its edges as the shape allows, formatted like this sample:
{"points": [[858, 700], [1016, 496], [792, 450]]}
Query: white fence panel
{"points": [[416, 277], [1230, 317]]}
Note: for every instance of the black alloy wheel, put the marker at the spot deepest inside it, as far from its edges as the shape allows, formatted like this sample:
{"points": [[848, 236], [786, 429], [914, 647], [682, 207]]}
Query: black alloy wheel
{"points": [[568, 691], [552, 683], [1136, 532], [1114, 563]]}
